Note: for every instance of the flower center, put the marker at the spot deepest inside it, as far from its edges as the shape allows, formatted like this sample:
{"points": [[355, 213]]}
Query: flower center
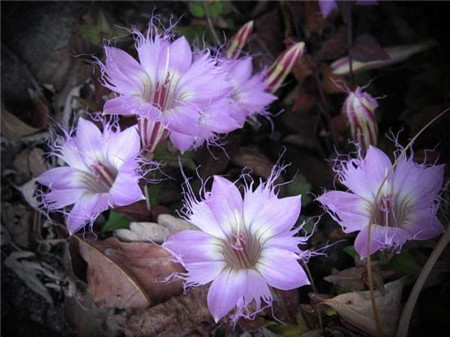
{"points": [[104, 177], [242, 251], [390, 212]]}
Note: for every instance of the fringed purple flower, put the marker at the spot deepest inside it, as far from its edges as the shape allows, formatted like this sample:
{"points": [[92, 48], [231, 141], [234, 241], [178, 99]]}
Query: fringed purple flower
{"points": [[244, 245], [170, 84], [249, 91], [102, 172], [405, 210]]}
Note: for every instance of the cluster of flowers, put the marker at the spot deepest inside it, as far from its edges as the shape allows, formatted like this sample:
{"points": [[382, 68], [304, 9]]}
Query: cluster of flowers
{"points": [[247, 241]]}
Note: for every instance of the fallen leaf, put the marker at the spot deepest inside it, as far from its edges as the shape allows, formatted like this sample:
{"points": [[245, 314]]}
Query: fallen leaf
{"points": [[179, 316], [28, 271], [136, 212], [28, 191], [17, 221], [128, 275], [13, 128], [175, 225], [248, 157], [84, 317], [349, 278], [355, 307], [143, 232], [212, 161], [30, 162]]}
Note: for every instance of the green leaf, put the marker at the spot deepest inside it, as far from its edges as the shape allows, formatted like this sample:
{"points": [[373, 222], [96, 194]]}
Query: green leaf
{"points": [[102, 23], [402, 263], [300, 186], [154, 192], [196, 9], [90, 33], [350, 250], [192, 32], [218, 8], [116, 221], [162, 154], [268, 333]]}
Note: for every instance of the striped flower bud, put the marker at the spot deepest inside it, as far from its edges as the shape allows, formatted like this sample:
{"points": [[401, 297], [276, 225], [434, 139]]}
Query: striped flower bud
{"points": [[359, 107], [282, 66], [238, 41]]}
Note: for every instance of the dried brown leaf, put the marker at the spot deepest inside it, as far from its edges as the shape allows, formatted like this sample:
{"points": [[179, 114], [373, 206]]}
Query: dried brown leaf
{"points": [[249, 157], [30, 162], [349, 278], [17, 220], [179, 316], [13, 128], [355, 307], [136, 212], [128, 275]]}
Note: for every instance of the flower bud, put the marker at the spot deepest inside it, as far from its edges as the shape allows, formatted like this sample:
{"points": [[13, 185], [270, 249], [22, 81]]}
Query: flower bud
{"points": [[238, 41], [359, 107], [282, 66], [396, 54]]}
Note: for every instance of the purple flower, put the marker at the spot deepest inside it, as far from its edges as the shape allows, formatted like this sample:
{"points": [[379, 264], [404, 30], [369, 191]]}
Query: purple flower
{"points": [[328, 6], [244, 245], [406, 207], [183, 90], [249, 92], [102, 173], [359, 108]]}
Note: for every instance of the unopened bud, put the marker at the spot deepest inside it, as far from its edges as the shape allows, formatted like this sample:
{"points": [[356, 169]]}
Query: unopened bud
{"points": [[282, 66], [396, 54], [152, 134], [238, 41], [359, 107]]}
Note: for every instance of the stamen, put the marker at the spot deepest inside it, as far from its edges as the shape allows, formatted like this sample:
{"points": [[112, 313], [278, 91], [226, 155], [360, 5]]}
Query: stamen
{"points": [[104, 177]]}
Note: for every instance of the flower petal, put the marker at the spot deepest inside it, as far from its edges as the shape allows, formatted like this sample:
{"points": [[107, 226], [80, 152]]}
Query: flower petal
{"points": [[281, 269], [419, 183], [225, 291], [123, 147], [125, 190], [181, 141], [85, 210], [180, 55], [193, 246], [124, 74], [349, 210], [423, 224], [274, 216], [63, 178], [89, 139], [380, 238], [365, 180]]}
